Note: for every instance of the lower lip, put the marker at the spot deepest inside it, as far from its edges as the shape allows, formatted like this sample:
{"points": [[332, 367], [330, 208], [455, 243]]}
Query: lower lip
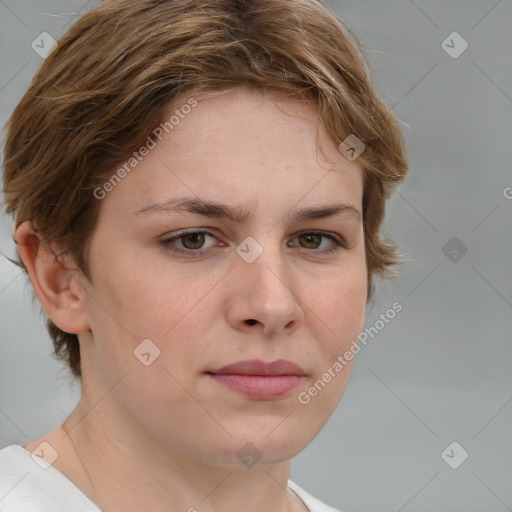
{"points": [[260, 387]]}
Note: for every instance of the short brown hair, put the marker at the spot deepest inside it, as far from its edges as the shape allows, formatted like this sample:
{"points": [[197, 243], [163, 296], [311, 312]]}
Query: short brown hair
{"points": [[102, 91]]}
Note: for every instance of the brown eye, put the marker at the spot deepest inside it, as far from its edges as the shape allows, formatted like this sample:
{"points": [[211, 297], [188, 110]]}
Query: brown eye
{"points": [[193, 240], [190, 242], [311, 240], [314, 239]]}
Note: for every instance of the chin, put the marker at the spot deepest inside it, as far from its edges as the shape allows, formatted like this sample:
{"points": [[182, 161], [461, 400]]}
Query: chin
{"points": [[273, 441]]}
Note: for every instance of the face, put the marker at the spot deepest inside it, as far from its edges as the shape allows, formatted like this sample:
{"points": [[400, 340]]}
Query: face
{"points": [[261, 279]]}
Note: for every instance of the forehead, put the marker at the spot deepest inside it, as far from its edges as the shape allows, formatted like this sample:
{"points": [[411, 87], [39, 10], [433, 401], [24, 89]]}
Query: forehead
{"points": [[242, 118], [244, 146]]}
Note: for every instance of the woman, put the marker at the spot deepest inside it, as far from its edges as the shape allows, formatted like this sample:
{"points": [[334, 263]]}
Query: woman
{"points": [[198, 191]]}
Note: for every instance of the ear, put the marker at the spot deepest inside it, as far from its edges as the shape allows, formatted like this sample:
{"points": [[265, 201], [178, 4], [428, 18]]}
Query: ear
{"points": [[55, 278]]}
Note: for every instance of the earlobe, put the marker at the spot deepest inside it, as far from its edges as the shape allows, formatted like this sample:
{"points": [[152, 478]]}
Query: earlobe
{"points": [[55, 280]]}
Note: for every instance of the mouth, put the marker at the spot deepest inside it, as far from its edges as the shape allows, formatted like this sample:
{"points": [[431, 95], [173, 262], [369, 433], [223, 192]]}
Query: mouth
{"points": [[260, 380]]}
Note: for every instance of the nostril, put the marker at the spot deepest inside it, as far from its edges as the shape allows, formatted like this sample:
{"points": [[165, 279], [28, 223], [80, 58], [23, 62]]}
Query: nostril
{"points": [[251, 321]]}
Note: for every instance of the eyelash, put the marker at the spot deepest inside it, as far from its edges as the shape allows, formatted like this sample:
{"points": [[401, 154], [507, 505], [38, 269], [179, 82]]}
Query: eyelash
{"points": [[337, 246]]}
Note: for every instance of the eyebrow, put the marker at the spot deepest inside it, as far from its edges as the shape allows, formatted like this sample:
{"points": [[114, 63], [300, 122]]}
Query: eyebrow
{"points": [[222, 211]]}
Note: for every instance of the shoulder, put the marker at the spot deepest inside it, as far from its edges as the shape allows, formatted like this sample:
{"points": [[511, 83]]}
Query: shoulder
{"points": [[313, 504], [28, 483]]}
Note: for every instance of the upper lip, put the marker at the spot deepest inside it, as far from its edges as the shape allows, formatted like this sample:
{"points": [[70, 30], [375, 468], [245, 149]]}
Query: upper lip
{"points": [[258, 367]]}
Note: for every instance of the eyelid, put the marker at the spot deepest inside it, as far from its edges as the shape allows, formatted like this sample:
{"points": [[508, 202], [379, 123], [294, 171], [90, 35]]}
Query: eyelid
{"points": [[327, 234], [167, 239]]}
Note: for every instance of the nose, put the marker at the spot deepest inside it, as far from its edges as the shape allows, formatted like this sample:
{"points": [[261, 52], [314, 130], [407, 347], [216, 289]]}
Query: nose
{"points": [[263, 297]]}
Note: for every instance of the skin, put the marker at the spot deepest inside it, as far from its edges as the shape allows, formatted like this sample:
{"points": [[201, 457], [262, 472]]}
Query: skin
{"points": [[166, 436]]}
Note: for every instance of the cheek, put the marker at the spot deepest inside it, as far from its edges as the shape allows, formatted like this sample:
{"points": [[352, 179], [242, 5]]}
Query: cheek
{"points": [[341, 301], [121, 307], [338, 314], [155, 303], [341, 314], [134, 295]]}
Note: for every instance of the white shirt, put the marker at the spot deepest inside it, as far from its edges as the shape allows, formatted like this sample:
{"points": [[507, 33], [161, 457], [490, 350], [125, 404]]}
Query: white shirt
{"points": [[26, 486]]}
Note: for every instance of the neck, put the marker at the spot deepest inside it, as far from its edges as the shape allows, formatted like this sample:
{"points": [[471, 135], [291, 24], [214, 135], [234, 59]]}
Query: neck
{"points": [[123, 468]]}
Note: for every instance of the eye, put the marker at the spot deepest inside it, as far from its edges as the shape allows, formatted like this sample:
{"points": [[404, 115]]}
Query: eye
{"points": [[313, 240], [191, 241]]}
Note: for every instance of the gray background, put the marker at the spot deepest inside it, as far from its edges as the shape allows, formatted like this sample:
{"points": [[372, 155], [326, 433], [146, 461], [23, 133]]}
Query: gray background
{"points": [[441, 370]]}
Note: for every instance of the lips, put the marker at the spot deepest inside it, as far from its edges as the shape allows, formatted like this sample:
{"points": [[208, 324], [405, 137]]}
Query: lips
{"points": [[257, 367], [260, 380]]}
